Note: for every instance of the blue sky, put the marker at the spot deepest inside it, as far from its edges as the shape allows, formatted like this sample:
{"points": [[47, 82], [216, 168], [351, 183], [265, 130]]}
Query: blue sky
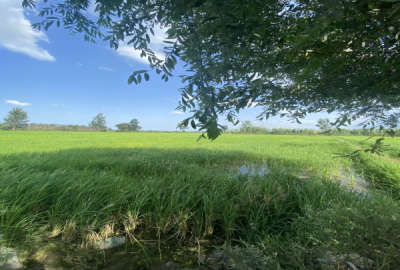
{"points": [[57, 77]]}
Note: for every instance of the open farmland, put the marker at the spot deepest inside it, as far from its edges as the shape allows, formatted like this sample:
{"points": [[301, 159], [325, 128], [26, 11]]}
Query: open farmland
{"points": [[299, 206]]}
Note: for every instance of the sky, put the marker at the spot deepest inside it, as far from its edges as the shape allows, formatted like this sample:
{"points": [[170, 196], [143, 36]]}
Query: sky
{"points": [[59, 78]]}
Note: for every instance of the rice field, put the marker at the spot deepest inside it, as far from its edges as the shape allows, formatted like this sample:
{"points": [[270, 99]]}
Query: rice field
{"points": [[174, 198]]}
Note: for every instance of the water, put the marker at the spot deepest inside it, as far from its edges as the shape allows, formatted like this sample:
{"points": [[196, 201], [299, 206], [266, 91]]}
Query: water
{"points": [[250, 170], [8, 258], [352, 180]]}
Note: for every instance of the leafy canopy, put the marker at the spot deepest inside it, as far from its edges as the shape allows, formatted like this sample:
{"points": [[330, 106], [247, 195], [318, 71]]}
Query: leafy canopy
{"points": [[98, 122], [290, 57], [133, 125], [16, 118]]}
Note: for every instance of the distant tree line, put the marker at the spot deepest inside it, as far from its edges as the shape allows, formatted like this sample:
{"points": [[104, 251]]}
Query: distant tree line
{"points": [[325, 129], [18, 119], [38, 126]]}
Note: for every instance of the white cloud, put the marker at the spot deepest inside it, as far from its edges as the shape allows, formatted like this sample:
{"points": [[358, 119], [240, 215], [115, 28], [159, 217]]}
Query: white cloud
{"points": [[103, 68], [17, 34], [18, 103], [156, 44], [130, 52], [177, 112]]}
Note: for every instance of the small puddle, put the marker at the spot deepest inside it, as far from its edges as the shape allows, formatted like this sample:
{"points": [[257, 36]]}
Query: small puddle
{"points": [[250, 170], [351, 179], [8, 257]]}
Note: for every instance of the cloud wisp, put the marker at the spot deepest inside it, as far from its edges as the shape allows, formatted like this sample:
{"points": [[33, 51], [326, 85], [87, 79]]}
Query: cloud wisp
{"points": [[156, 44], [17, 34], [18, 103]]}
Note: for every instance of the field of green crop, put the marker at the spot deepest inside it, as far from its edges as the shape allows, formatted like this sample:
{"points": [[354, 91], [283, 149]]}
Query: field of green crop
{"points": [[178, 199]]}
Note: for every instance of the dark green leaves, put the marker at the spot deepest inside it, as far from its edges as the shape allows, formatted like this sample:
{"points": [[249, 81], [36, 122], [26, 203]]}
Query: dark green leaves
{"points": [[136, 76], [294, 56], [193, 124]]}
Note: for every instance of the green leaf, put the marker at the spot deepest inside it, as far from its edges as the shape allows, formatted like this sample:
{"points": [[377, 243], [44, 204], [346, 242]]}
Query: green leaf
{"points": [[193, 124], [48, 24], [132, 79]]}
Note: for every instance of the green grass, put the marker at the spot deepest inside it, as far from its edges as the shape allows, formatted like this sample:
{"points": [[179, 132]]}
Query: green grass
{"points": [[382, 171], [165, 191]]}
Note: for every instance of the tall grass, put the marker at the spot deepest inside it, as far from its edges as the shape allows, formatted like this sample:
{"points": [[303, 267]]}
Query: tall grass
{"points": [[382, 171], [165, 191]]}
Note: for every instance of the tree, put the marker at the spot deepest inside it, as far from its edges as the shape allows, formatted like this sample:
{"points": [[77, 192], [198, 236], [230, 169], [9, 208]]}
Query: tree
{"points": [[133, 125], [98, 122], [16, 118], [324, 124], [291, 57], [247, 126]]}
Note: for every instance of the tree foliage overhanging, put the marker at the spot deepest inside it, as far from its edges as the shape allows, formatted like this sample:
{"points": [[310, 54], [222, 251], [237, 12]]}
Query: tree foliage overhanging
{"points": [[291, 57]]}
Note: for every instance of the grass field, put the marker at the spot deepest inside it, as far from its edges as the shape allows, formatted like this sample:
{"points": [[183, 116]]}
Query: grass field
{"points": [[177, 199]]}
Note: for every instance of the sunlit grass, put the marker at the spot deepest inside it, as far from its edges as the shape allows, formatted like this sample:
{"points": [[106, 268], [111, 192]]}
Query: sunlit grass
{"points": [[169, 189]]}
